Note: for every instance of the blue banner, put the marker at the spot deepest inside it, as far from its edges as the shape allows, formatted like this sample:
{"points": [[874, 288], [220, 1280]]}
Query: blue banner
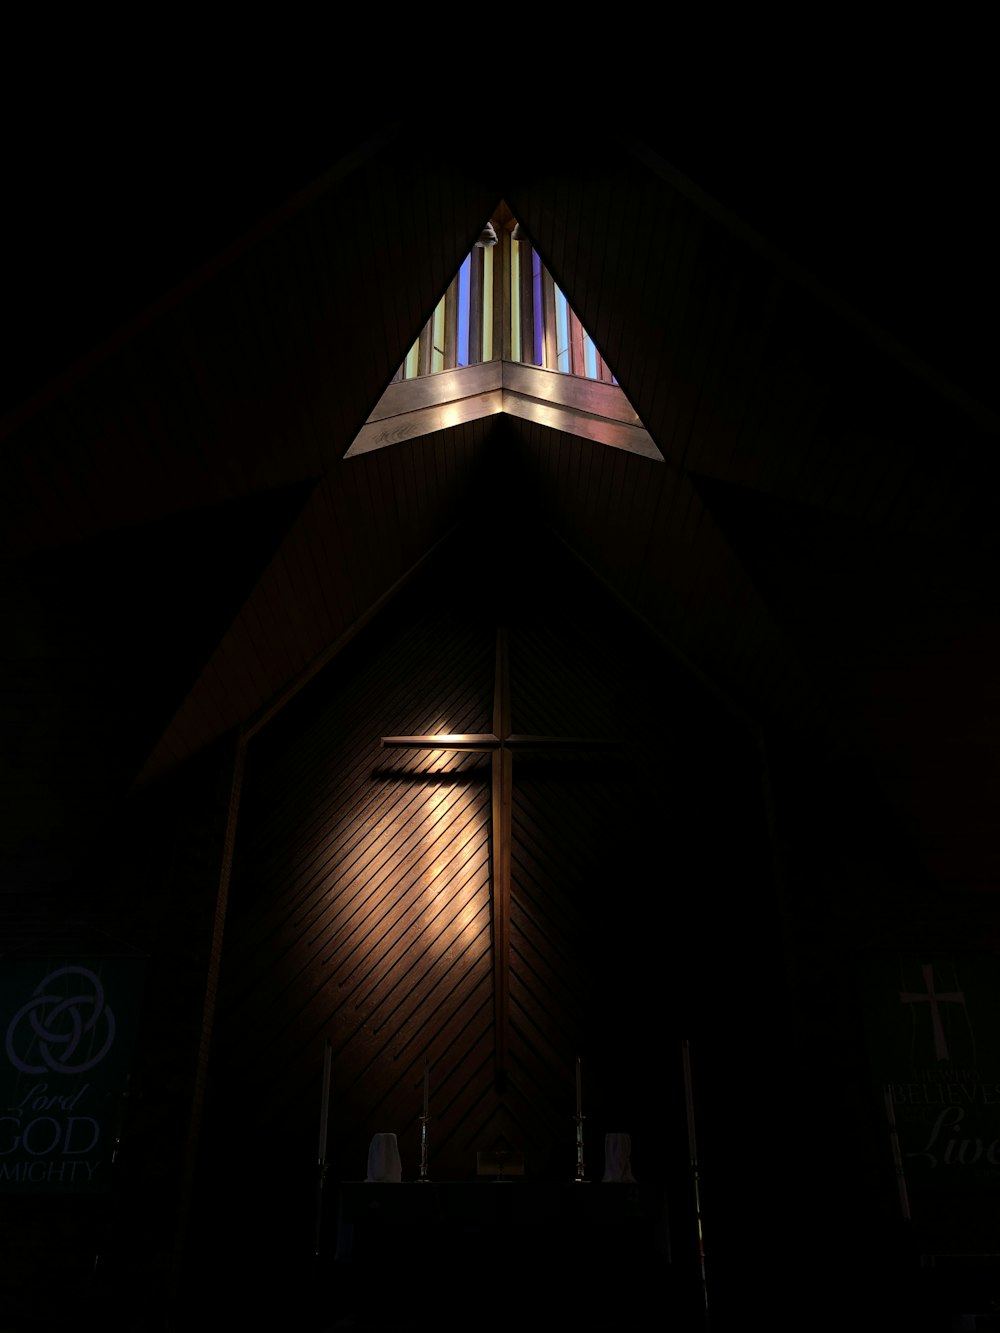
{"points": [[69, 1031]]}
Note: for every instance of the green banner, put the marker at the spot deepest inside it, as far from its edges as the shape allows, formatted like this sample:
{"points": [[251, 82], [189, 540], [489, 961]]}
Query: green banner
{"points": [[932, 1022], [69, 1031]]}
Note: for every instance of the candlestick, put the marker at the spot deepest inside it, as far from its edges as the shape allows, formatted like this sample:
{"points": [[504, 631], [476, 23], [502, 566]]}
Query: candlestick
{"points": [[581, 1170], [423, 1125], [324, 1110], [324, 1106]]}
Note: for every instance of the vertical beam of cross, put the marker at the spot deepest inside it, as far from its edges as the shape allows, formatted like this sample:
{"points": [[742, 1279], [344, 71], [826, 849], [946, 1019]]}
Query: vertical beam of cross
{"points": [[500, 744], [502, 782]]}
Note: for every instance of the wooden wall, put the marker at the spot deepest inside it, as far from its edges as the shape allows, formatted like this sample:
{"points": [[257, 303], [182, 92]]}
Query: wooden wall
{"points": [[359, 907]]}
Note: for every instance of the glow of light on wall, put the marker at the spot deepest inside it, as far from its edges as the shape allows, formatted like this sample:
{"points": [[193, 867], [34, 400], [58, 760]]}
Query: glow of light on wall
{"points": [[449, 414]]}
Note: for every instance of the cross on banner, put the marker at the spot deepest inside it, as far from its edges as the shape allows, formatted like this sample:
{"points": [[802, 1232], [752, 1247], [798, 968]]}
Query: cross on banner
{"points": [[501, 744], [934, 999]]}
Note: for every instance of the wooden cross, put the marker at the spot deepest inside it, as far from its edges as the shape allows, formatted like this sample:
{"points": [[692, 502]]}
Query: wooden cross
{"points": [[500, 743]]}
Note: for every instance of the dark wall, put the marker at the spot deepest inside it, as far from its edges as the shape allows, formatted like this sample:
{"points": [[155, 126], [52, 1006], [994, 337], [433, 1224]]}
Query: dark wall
{"points": [[643, 914], [674, 889], [110, 1260]]}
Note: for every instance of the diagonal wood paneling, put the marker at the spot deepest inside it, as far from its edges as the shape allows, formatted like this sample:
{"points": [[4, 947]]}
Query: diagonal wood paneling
{"points": [[359, 907]]}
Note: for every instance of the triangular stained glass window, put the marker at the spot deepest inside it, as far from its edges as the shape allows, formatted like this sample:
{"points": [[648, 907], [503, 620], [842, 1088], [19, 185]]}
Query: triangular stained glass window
{"points": [[503, 338]]}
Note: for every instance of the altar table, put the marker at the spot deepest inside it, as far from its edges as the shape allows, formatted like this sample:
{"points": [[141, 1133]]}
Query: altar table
{"points": [[573, 1246]]}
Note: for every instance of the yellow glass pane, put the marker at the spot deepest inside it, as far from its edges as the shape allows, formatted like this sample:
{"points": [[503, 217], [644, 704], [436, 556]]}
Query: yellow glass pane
{"points": [[488, 303], [515, 302], [437, 337]]}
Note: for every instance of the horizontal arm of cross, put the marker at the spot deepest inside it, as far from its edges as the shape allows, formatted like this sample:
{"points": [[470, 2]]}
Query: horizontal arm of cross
{"points": [[557, 742], [487, 741], [463, 740]]}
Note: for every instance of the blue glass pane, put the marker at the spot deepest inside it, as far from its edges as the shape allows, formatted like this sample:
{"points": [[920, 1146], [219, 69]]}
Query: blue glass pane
{"points": [[562, 332], [589, 357], [463, 311]]}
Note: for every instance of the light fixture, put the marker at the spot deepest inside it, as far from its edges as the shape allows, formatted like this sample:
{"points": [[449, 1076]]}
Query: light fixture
{"points": [[487, 237]]}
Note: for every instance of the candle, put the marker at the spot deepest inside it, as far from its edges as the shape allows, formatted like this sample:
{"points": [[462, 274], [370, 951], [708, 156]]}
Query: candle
{"points": [[324, 1106], [427, 1076], [579, 1092]]}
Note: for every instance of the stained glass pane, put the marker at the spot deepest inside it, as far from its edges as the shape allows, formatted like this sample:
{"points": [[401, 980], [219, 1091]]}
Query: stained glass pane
{"points": [[515, 302], [538, 357], [537, 331], [589, 355], [562, 332], [463, 311], [488, 304]]}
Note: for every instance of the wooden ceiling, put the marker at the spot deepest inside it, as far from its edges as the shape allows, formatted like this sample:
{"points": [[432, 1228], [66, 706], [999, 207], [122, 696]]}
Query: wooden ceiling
{"points": [[195, 348]]}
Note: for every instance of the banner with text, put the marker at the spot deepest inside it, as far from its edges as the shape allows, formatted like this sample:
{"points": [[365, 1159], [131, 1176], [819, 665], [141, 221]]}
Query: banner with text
{"points": [[932, 1025], [69, 1032]]}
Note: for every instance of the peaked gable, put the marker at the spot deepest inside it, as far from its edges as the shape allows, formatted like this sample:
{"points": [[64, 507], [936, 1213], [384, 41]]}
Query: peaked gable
{"points": [[504, 338]]}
